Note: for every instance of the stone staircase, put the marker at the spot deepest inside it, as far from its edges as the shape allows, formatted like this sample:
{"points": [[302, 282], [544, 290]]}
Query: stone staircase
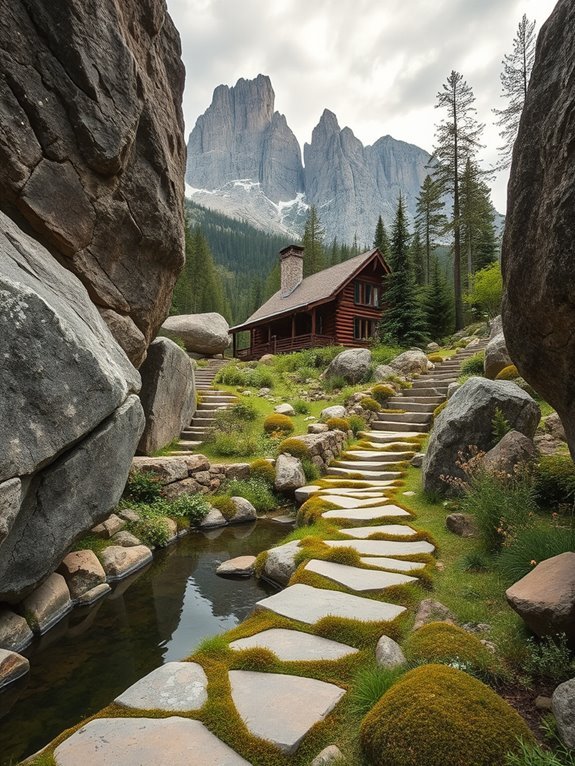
{"points": [[212, 401]]}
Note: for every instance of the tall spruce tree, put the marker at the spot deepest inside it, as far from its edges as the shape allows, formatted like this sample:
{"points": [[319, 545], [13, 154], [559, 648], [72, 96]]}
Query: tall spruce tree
{"points": [[515, 76], [381, 240], [438, 305], [457, 140], [430, 219], [403, 322], [314, 256], [478, 240], [417, 258], [199, 287]]}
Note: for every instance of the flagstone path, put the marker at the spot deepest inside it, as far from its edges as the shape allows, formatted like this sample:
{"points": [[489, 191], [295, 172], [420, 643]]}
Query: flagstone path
{"points": [[282, 708]]}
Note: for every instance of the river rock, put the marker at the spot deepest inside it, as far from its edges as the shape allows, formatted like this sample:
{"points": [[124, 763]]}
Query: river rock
{"points": [[166, 469], [466, 422], [412, 362], [200, 333], [47, 604], [496, 356], [168, 394], [109, 527], [284, 409], [563, 706], [212, 519], [126, 539], [15, 633], [513, 453], [280, 562], [94, 594], [92, 153], [461, 524], [545, 597], [82, 572], [119, 562], [12, 667], [245, 511], [241, 566], [330, 754], [388, 653], [553, 425], [289, 474], [10, 500], [335, 411], [352, 365], [539, 240]]}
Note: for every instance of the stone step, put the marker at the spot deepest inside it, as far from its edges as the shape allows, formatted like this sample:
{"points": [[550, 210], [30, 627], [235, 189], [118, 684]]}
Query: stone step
{"points": [[355, 578], [380, 455], [363, 474], [188, 451], [421, 418], [209, 413], [369, 513], [393, 530], [362, 465], [203, 421], [388, 425], [344, 502], [416, 399], [390, 439], [411, 406], [440, 378], [384, 563], [435, 389], [388, 548], [187, 445], [293, 646]]}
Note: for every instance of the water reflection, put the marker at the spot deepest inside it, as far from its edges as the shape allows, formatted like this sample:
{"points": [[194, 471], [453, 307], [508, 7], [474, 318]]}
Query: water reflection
{"points": [[158, 615]]}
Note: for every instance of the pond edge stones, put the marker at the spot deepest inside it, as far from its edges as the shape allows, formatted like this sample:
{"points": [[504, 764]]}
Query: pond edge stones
{"points": [[174, 687]]}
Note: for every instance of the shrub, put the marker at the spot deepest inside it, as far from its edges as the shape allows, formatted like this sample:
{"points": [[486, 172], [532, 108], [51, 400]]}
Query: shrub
{"points": [[263, 469], [311, 471], [357, 424], [555, 480], [381, 392], [334, 383], [370, 684], [449, 645], [473, 365], [435, 358], [257, 491], [384, 354], [245, 377], [501, 505], [438, 716], [532, 545], [143, 487], [508, 373], [370, 404], [499, 426], [193, 507], [301, 407], [233, 444], [225, 505], [244, 411], [150, 528], [277, 423], [294, 447], [549, 659], [338, 424]]}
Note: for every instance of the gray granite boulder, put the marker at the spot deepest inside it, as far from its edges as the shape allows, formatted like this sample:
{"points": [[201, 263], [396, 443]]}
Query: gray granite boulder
{"points": [[244, 511], [169, 469], [352, 365], [335, 411], [280, 562], [496, 356], [168, 394], [412, 362], [466, 422], [513, 453], [201, 333], [388, 653], [284, 409], [545, 597], [563, 706], [289, 474], [82, 571], [119, 562]]}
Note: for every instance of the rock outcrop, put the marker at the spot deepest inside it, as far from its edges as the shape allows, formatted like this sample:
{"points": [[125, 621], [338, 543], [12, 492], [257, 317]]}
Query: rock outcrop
{"points": [[201, 333], [539, 240], [466, 422], [352, 365], [168, 394], [496, 356], [92, 152]]}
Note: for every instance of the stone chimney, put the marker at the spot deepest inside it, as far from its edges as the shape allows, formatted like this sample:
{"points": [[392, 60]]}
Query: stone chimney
{"points": [[291, 266]]}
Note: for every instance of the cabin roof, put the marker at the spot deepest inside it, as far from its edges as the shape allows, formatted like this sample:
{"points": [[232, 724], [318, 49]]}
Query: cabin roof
{"points": [[316, 288]]}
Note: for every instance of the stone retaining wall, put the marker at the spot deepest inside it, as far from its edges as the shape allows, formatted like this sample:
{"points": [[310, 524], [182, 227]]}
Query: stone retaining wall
{"points": [[324, 447]]}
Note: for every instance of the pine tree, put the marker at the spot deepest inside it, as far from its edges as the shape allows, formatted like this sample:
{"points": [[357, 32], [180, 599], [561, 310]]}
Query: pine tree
{"points": [[417, 258], [199, 288], [430, 219], [403, 322], [314, 257], [381, 239], [478, 238], [457, 139], [515, 76], [438, 305]]}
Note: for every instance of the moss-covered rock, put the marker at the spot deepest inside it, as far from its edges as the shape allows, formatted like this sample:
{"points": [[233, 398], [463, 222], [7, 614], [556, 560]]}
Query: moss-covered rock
{"points": [[370, 404], [294, 447], [338, 424], [508, 373], [438, 716], [278, 423], [447, 643], [382, 392], [263, 469]]}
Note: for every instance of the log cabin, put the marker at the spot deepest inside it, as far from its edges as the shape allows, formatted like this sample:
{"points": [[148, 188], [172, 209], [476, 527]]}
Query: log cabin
{"points": [[337, 306]]}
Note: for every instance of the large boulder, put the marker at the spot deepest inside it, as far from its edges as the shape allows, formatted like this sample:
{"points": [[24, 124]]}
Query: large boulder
{"points": [[496, 356], [539, 240], [514, 452], [466, 422], [70, 419], [352, 365], [201, 333], [92, 150], [289, 474], [545, 597], [168, 394], [412, 362], [563, 706]]}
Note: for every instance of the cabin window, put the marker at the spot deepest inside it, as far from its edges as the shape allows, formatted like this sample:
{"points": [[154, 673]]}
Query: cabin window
{"points": [[366, 294], [363, 329]]}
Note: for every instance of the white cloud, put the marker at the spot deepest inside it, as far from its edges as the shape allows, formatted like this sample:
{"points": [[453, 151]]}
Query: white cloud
{"points": [[377, 64]]}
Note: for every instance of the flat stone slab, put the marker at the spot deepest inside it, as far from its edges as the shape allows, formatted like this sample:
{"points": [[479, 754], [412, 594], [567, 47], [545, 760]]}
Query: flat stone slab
{"points": [[361, 492], [356, 578], [353, 502], [383, 547], [367, 483], [280, 708], [241, 566], [293, 646], [174, 687], [367, 514], [385, 437], [145, 742], [397, 530], [381, 454], [304, 493], [307, 604], [384, 563], [362, 474], [365, 465]]}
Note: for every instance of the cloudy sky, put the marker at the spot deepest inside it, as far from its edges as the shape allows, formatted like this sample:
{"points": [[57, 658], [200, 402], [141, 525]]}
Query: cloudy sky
{"points": [[378, 64]]}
